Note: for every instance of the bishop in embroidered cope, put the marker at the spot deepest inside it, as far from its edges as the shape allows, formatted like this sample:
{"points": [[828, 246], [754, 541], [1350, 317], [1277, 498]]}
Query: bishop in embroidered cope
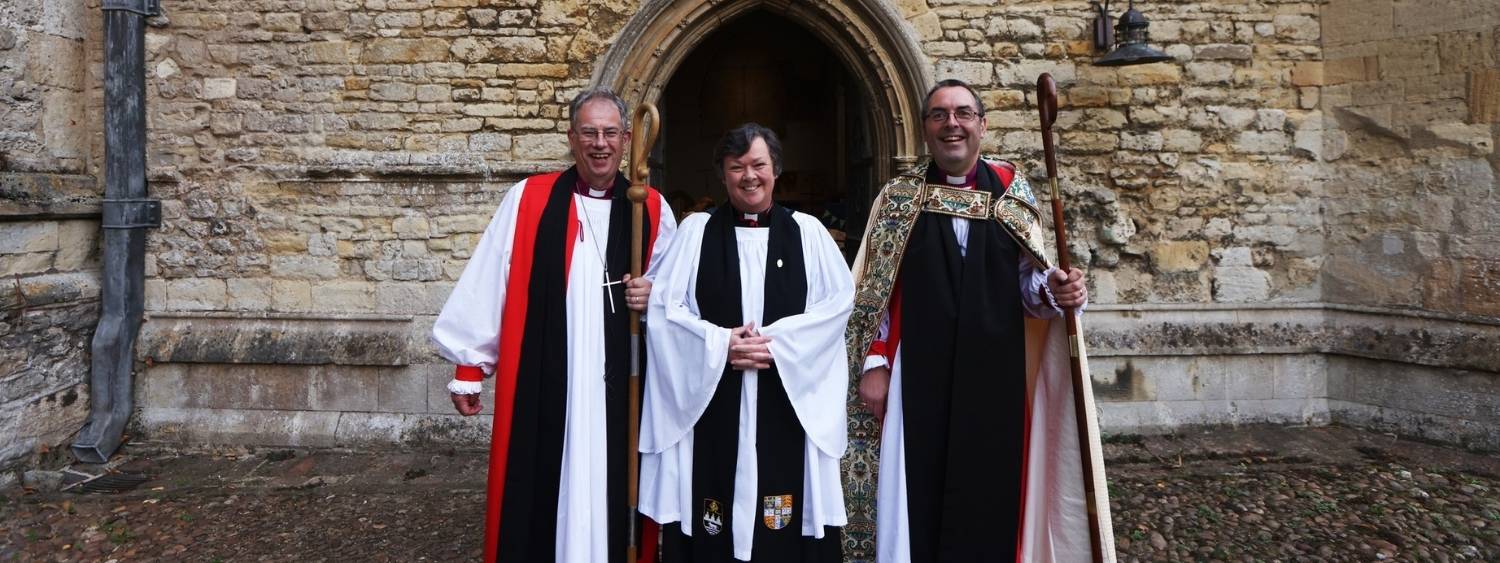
{"points": [[955, 353]]}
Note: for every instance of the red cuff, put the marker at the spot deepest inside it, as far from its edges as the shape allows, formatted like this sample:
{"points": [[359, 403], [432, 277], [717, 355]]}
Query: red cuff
{"points": [[877, 348], [468, 373]]}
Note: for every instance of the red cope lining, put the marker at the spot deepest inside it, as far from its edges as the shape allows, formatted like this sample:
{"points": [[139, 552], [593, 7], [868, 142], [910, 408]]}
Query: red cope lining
{"points": [[887, 349]]}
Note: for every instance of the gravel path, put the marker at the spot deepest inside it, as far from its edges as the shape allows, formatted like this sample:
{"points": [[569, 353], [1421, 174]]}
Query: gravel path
{"points": [[1252, 494]]}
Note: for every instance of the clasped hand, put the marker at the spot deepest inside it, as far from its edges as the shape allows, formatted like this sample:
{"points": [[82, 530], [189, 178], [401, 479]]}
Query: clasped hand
{"points": [[748, 349]]}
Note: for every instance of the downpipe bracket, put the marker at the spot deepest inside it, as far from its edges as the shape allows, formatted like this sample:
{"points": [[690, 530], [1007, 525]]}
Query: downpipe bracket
{"points": [[147, 8], [131, 214]]}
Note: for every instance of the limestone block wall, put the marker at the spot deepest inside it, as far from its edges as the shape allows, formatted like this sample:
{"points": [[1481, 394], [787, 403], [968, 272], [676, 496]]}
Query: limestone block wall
{"points": [[1412, 93], [326, 168], [1184, 181], [1288, 222], [1193, 194], [49, 206], [327, 165]]}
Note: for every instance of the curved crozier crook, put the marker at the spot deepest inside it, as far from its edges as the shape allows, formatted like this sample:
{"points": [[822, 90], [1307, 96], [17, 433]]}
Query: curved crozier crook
{"points": [[1046, 99], [640, 147]]}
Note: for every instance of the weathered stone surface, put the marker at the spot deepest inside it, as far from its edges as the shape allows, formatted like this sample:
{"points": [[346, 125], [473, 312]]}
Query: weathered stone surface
{"points": [[1379, 394], [1241, 284], [1484, 96], [334, 52], [1180, 256], [547, 146], [198, 294], [344, 296], [1308, 74], [405, 51], [1262, 142], [48, 322], [55, 61], [249, 294], [978, 73], [1405, 57], [1353, 69], [208, 340], [17, 238], [393, 91], [1210, 72], [335, 160], [1462, 51], [1354, 21], [219, 88]]}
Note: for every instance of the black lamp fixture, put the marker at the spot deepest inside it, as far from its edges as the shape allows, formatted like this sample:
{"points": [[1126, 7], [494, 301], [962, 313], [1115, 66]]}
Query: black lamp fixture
{"points": [[1132, 48]]}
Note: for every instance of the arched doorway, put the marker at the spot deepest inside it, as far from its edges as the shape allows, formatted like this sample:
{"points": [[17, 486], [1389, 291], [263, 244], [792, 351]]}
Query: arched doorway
{"points": [[884, 72], [764, 68]]}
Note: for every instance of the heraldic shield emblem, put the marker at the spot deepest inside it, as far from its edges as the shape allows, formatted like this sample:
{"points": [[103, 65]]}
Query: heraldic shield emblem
{"points": [[776, 511], [713, 516]]}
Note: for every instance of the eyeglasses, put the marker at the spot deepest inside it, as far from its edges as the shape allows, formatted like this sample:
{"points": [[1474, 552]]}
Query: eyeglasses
{"points": [[609, 134], [963, 115]]}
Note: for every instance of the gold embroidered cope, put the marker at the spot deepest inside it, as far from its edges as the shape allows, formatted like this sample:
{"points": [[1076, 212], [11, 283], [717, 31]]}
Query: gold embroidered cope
{"points": [[891, 221]]}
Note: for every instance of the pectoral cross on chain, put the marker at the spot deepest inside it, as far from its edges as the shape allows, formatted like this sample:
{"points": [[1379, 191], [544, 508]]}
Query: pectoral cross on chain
{"points": [[610, 291]]}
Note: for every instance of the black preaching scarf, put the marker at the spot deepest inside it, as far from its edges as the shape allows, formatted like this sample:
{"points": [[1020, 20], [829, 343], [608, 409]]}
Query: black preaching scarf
{"points": [[528, 530], [963, 387], [780, 439]]}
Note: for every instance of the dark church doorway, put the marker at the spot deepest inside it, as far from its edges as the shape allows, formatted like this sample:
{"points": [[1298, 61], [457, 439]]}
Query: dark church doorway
{"points": [[768, 69]]}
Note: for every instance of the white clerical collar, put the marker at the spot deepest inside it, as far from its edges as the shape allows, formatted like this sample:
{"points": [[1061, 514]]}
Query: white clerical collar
{"points": [[743, 219], [965, 181], [597, 193]]}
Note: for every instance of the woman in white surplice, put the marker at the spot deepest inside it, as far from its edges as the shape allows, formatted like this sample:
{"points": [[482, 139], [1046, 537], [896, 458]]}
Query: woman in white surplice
{"points": [[689, 354]]}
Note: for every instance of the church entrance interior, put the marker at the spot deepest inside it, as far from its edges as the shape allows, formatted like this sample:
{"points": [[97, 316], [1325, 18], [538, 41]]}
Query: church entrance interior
{"points": [[768, 69]]}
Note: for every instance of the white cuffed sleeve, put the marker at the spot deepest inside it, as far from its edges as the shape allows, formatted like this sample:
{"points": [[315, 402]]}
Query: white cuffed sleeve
{"points": [[1036, 295], [467, 331]]}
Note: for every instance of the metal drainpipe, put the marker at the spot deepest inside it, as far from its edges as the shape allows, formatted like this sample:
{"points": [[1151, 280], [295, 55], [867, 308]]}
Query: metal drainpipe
{"points": [[127, 213]]}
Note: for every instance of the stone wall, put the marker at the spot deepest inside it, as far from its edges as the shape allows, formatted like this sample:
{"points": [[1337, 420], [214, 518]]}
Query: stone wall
{"points": [[1184, 179], [49, 206], [1412, 92], [1194, 194], [326, 166]]}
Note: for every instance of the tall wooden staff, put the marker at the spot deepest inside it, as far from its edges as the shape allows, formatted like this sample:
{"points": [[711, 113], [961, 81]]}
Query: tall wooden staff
{"points": [[640, 170], [1046, 95]]}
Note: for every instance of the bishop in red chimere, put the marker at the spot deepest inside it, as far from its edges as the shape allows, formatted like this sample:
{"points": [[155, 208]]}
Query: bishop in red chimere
{"points": [[543, 308]]}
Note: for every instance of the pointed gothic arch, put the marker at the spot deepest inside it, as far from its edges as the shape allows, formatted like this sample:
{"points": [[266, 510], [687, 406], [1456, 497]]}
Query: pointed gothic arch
{"points": [[877, 46]]}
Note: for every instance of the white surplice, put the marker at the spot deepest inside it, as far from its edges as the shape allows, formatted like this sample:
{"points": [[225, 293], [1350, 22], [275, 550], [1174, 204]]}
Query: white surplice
{"points": [[467, 332], [687, 359]]}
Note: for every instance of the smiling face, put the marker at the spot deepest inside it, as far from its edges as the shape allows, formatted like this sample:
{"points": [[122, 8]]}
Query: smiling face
{"points": [[953, 142], [750, 178], [598, 138]]}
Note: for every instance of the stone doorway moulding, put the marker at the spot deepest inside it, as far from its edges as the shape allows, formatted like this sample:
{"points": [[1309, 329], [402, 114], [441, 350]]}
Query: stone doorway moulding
{"points": [[877, 46]]}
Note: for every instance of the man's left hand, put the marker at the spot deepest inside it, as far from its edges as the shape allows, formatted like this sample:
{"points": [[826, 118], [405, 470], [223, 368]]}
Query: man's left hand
{"points": [[1067, 288], [637, 293]]}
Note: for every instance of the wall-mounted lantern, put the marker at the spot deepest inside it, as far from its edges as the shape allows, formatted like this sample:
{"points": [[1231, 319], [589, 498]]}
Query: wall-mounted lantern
{"points": [[1132, 48]]}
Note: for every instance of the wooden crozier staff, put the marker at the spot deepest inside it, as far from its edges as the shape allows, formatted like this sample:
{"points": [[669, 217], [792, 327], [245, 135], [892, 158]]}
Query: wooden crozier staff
{"points": [[640, 170], [1083, 392]]}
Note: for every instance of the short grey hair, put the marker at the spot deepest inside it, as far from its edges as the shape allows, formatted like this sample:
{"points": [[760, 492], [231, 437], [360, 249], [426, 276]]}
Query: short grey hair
{"points": [[600, 93]]}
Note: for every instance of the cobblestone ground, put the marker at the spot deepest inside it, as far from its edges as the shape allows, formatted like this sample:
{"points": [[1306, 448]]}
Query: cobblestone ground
{"points": [[1253, 494]]}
